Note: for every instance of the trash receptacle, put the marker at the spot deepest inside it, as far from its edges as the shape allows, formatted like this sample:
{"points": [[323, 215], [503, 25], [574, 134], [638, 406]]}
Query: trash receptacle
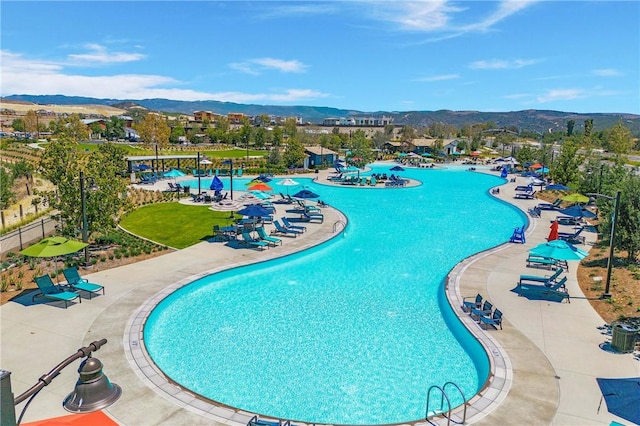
{"points": [[186, 189], [623, 337]]}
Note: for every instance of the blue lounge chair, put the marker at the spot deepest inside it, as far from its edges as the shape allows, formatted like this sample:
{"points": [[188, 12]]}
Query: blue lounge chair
{"points": [[289, 225], [76, 282], [50, 291], [308, 217], [573, 238], [468, 305], [262, 234], [550, 206], [249, 241], [526, 195], [486, 309], [544, 280], [546, 262], [495, 319], [552, 293], [280, 229]]}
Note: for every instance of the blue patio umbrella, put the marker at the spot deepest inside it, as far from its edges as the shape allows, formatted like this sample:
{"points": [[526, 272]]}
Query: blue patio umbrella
{"points": [[174, 173], [397, 169], [254, 210], [305, 193], [543, 170], [143, 167], [557, 187], [216, 184], [578, 211], [559, 250], [622, 396]]}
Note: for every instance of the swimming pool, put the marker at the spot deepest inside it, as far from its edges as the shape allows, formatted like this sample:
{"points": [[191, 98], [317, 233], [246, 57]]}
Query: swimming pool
{"points": [[353, 331]]}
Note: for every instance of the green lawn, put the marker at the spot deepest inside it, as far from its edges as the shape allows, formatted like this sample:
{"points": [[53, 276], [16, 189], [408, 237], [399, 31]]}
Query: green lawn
{"points": [[174, 224]]}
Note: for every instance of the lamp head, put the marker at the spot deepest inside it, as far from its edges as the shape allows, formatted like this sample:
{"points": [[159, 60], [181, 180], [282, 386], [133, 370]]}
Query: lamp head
{"points": [[93, 390]]}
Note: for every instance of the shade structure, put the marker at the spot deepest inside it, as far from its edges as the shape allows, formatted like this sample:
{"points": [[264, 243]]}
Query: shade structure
{"points": [[174, 173], [559, 250], [557, 187], [305, 193], [578, 211], [397, 169], [622, 397], [260, 187], [553, 233], [53, 246], [216, 184], [575, 198], [254, 210]]}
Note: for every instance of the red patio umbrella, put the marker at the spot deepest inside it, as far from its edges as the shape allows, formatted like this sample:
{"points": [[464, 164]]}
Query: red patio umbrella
{"points": [[536, 166], [260, 187], [553, 234]]}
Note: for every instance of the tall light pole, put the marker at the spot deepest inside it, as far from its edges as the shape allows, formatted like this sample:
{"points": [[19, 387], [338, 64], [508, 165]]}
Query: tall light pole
{"points": [[83, 206], [614, 217]]}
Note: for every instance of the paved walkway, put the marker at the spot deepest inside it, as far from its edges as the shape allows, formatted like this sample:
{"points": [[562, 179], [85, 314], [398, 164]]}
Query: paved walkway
{"points": [[548, 354]]}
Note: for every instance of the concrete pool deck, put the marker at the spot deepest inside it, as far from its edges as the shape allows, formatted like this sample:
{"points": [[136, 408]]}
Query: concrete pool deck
{"points": [[551, 350]]}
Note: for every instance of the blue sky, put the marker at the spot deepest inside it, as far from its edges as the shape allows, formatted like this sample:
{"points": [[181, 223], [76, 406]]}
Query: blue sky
{"points": [[574, 56]]}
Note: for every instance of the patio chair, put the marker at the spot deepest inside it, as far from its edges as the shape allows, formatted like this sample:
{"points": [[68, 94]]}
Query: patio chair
{"points": [[249, 241], [495, 320], [550, 206], [262, 234], [526, 195], [50, 291], [535, 261], [308, 217], [542, 292], [289, 225], [486, 309], [76, 282], [468, 305], [538, 279], [573, 238], [280, 229]]}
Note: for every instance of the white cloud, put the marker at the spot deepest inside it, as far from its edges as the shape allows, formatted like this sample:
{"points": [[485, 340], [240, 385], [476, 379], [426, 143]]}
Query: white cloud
{"points": [[439, 78], [20, 75], [561, 95], [607, 72], [496, 64], [255, 66], [98, 54]]}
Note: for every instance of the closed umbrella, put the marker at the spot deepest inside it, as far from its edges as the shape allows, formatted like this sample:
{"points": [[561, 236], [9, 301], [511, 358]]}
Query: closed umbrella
{"points": [[559, 250], [216, 184], [553, 233]]}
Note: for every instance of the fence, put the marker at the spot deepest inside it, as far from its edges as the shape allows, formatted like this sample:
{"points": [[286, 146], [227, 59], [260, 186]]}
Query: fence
{"points": [[21, 237]]}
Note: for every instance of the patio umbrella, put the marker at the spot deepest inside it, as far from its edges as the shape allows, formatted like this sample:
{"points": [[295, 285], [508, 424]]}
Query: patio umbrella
{"points": [[397, 169], [536, 166], [553, 234], [143, 167], [559, 250], [622, 396], [260, 187], [254, 210], [288, 182], [226, 206], [174, 173], [216, 184], [54, 247], [557, 187], [575, 198], [305, 193], [578, 211]]}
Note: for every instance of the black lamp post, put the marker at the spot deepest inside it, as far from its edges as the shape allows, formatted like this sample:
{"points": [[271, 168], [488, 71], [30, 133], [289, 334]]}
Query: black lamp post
{"points": [[230, 163], [93, 390], [614, 217]]}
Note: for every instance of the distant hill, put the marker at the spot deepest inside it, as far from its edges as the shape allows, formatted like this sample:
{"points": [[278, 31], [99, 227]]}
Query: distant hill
{"points": [[538, 120]]}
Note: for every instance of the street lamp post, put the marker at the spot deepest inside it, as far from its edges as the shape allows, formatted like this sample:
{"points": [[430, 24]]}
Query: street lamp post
{"points": [[230, 162], [85, 224], [614, 217], [93, 390]]}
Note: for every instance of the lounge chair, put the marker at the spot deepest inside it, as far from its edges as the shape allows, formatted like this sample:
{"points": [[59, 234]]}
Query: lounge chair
{"points": [[546, 262], [557, 292], [172, 187], [495, 319], [573, 238], [289, 225], [280, 229], [468, 305], [50, 291], [308, 217], [525, 188], [550, 206], [268, 239], [76, 282], [544, 280], [526, 195], [249, 241]]}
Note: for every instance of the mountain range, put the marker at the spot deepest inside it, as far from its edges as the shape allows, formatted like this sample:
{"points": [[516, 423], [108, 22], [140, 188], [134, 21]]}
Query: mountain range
{"points": [[536, 120]]}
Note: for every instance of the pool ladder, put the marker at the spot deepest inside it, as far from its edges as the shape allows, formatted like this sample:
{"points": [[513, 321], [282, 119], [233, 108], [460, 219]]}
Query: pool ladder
{"points": [[339, 224], [441, 411]]}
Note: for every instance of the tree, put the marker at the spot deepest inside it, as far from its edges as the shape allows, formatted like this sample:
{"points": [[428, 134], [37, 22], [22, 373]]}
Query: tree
{"points": [[277, 136], [261, 137], [571, 124], [72, 129], [176, 133], [619, 139], [115, 128], [360, 148], [18, 125], [566, 168], [293, 155], [154, 130], [59, 157], [290, 127], [31, 122], [6, 195], [628, 221]]}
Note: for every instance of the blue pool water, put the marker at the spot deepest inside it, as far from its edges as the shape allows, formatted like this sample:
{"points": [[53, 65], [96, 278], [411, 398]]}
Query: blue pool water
{"points": [[354, 331]]}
